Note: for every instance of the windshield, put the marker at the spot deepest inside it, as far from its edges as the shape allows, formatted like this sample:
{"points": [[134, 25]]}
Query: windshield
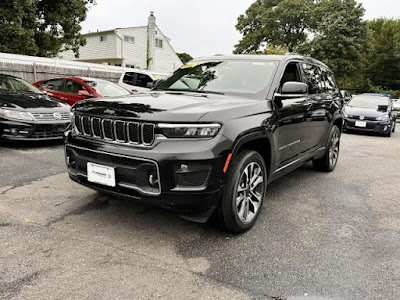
{"points": [[369, 102], [107, 89], [246, 77], [12, 84]]}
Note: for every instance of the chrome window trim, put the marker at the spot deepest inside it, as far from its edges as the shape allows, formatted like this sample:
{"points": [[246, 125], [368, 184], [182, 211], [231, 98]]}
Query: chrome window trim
{"points": [[124, 156]]}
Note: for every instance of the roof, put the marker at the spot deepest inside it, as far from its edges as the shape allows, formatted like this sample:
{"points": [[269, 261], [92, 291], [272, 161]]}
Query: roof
{"points": [[284, 57], [110, 30]]}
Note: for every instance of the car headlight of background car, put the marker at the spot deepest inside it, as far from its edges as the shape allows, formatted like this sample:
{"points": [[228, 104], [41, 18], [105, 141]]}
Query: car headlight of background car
{"points": [[189, 130], [383, 118], [17, 115], [345, 114]]}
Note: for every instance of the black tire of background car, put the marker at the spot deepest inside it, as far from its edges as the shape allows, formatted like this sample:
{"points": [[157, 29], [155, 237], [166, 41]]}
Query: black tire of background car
{"points": [[323, 164], [228, 205]]}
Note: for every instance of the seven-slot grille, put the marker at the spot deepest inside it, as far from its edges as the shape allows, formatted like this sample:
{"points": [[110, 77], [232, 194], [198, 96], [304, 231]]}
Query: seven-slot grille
{"points": [[115, 130]]}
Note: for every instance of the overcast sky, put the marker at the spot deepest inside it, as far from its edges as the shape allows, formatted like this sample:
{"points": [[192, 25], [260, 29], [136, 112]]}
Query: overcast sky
{"points": [[198, 27]]}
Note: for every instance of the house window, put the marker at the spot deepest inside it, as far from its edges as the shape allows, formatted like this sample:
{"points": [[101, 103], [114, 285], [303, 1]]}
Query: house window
{"points": [[129, 39], [130, 66], [103, 38], [159, 43]]}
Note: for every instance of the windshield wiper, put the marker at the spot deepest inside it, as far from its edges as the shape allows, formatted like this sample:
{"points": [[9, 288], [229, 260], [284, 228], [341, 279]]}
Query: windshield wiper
{"points": [[190, 91]]}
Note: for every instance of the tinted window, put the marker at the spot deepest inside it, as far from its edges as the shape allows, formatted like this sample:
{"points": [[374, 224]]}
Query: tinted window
{"points": [[54, 85], [330, 83], [313, 77], [11, 84], [142, 80], [291, 74], [73, 87], [249, 77], [137, 79]]}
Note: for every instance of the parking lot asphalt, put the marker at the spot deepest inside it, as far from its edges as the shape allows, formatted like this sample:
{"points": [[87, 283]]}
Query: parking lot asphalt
{"points": [[319, 236]]}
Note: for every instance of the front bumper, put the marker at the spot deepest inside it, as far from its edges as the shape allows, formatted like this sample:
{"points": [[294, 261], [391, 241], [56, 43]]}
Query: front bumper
{"points": [[371, 126], [186, 177], [30, 131]]}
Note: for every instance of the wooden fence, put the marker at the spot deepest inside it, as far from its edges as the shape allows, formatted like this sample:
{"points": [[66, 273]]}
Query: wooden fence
{"points": [[33, 68]]}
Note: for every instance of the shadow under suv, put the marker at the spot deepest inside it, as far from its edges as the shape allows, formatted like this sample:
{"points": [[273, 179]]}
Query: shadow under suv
{"points": [[210, 137]]}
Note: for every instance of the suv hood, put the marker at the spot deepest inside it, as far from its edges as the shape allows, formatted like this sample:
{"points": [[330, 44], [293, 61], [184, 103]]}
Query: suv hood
{"points": [[29, 102], [170, 107], [366, 112]]}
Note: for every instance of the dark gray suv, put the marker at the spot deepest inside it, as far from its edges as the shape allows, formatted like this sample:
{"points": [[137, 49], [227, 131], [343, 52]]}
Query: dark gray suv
{"points": [[212, 136]]}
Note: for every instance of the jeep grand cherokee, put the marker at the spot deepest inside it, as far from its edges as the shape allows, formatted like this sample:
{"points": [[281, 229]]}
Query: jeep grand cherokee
{"points": [[212, 136]]}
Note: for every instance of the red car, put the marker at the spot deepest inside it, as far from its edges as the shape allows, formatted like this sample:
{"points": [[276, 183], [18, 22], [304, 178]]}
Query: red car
{"points": [[73, 89]]}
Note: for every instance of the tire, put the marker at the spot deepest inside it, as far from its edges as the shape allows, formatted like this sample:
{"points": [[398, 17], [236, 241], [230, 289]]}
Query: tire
{"points": [[329, 161], [239, 216]]}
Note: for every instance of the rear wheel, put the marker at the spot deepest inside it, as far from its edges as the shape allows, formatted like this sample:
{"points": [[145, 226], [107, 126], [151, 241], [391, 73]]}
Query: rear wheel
{"points": [[329, 161], [245, 191]]}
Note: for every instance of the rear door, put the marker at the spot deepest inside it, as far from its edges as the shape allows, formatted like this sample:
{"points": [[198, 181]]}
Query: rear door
{"points": [[72, 89], [54, 88]]}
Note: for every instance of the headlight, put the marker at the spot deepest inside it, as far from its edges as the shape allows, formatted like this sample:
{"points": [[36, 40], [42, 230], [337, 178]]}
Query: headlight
{"points": [[15, 114], [345, 114], [383, 118], [189, 130]]}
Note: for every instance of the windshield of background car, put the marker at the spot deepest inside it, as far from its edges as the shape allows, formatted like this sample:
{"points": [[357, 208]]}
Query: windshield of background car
{"points": [[107, 89], [242, 77], [10, 84], [369, 101]]}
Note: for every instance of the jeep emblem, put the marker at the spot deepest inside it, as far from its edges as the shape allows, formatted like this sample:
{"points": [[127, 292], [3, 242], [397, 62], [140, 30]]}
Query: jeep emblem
{"points": [[109, 111]]}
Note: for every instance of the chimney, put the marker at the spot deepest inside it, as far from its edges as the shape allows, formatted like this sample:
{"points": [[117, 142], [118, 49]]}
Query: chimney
{"points": [[151, 35]]}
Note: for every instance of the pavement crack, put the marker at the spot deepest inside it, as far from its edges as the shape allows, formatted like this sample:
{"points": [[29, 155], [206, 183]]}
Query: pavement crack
{"points": [[96, 204], [9, 290]]}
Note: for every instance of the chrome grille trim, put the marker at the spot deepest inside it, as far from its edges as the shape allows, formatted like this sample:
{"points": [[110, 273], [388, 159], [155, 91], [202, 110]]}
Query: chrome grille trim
{"points": [[144, 132], [116, 132], [44, 117], [130, 139], [152, 134]]}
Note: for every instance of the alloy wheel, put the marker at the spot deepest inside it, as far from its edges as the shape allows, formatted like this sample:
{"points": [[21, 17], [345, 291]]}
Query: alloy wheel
{"points": [[250, 191], [334, 149]]}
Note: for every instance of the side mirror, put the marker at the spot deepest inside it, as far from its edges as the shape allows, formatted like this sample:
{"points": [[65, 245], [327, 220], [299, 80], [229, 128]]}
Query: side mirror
{"points": [[84, 93], [293, 89], [150, 85]]}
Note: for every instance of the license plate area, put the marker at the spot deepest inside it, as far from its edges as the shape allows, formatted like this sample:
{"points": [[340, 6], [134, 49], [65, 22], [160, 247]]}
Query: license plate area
{"points": [[361, 124], [101, 174]]}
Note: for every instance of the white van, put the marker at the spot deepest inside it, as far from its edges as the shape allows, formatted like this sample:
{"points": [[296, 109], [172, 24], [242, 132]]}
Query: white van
{"points": [[139, 80]]}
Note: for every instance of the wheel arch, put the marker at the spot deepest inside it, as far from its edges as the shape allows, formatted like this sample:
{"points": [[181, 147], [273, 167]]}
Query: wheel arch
{"points": [[259, 142]]}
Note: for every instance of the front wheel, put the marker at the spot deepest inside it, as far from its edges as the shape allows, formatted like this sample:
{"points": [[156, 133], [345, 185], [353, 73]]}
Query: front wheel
{"points": [[245, 191], [329, 161]]}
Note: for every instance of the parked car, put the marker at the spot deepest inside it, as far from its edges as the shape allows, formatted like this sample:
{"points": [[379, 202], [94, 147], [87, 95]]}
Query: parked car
{"points": [[139, 80], [28, 114], [396, 109], [370, 112], [73, 89], [212, 136]]}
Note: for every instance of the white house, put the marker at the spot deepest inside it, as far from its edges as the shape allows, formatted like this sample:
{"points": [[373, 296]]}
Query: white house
{"points": [[144, 47]]}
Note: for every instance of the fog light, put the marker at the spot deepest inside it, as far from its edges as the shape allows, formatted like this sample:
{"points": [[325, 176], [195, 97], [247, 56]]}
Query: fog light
{"points": [[183, 168], [14, 131]]}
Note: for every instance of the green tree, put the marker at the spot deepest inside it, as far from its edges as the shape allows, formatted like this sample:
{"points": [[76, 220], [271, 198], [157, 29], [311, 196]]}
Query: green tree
{"points": [[339, 36], [383, 68], [42, 27], [185, 57], [274, 23]]}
